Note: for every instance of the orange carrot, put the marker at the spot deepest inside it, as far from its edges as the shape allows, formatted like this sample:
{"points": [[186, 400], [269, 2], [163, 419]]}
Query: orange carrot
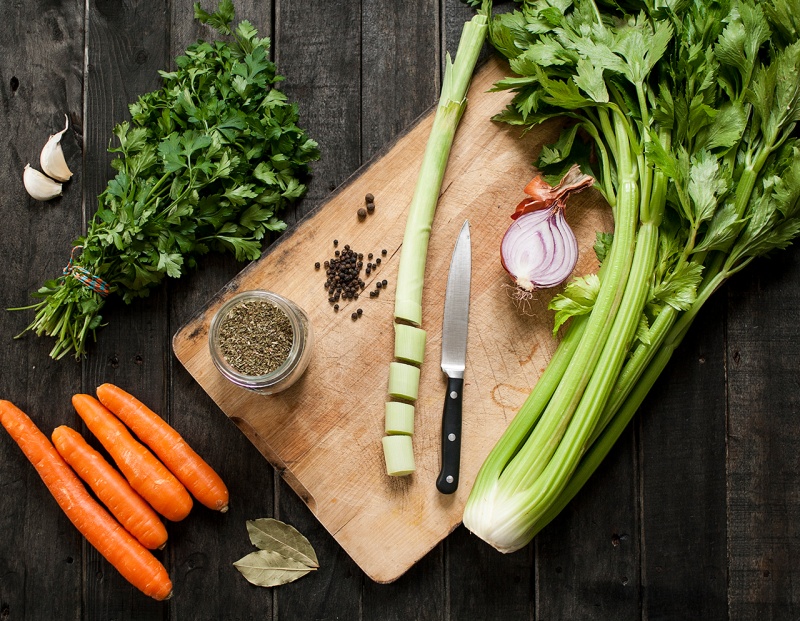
{"points": [[111, 488], [198, 477], [128, 556], [144, 472]]}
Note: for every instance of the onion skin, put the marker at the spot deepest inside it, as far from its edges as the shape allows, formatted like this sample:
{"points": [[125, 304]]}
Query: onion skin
{"points": [[543, 195], [539, 250]]}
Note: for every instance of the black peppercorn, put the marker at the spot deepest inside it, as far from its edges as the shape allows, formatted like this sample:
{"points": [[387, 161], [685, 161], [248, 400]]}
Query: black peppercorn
{"points": [[369, 198], [383, 252], [336, 307], [359, 311], [335, 242], [370, 207], [384, 282], [316, 265], [354, 316], [378, 261], [362, 213]]}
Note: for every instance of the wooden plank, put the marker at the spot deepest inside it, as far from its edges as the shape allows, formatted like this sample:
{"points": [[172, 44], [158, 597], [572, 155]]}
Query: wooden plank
{"points": [[40, 78], [204, 545], [485, 584], [127, 45], [399, 67], [318, 45], [588, 558], [763, 464], [682, 461], [325, 432]]}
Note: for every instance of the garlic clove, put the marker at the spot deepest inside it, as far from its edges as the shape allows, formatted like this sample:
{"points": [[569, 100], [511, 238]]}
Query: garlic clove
{"points": [[40, 186], [52, 157]]}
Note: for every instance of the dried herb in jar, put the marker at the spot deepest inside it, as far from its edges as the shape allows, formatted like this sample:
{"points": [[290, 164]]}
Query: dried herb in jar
{"points": [[255, 338]]}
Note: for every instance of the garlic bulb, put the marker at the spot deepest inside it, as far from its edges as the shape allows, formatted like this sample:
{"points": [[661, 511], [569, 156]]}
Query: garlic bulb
{"points": [[39, 186], [52, 157]]}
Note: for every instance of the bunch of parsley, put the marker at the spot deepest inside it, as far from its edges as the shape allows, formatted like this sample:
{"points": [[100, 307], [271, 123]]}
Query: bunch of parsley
{"points": [[685, 112], [207, 162]]}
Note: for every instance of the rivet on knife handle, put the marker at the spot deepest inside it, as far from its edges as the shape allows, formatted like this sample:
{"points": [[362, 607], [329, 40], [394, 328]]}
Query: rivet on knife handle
{"points": [[447, 483]]}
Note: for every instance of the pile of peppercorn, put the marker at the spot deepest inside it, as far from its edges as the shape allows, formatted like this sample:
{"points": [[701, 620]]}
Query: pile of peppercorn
{"points": [[343, 276], [343, 271]]}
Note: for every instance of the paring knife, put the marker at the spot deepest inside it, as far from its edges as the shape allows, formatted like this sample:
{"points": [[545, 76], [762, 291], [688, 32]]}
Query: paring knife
{"points": [[454, 355]]}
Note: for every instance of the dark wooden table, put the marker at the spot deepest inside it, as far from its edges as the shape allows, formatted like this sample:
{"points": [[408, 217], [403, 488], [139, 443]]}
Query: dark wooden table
{"points": [[695, 514]]}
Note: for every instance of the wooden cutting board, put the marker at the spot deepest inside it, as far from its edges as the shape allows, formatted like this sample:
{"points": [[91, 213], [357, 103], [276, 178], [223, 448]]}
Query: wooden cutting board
{"points": [[324, 434]]}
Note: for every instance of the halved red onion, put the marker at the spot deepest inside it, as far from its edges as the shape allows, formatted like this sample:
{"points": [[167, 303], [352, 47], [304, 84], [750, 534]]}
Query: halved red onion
{"points": [[539, 249]]}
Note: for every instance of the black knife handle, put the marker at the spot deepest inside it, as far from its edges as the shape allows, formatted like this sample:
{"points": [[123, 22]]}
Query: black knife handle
{"points": [[447, 482]]}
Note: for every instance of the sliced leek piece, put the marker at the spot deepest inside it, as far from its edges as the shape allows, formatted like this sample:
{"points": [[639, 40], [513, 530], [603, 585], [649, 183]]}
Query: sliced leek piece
{"points": [[403, 381], [399, 418], [398, 453], [409, 343]]}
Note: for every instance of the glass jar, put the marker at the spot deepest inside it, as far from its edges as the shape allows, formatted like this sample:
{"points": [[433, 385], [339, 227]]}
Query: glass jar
{"points": [[299, 355]]}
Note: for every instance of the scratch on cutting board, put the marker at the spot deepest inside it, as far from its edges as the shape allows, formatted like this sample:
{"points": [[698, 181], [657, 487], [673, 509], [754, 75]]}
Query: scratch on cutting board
{"points": [[508, 396]]}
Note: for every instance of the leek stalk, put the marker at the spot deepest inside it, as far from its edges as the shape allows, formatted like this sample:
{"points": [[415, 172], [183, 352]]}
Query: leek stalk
{"points": [[411, 269]]}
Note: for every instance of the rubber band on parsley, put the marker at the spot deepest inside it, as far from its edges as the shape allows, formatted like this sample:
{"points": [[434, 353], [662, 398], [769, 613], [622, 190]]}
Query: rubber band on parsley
{"points": [[206, 163]]}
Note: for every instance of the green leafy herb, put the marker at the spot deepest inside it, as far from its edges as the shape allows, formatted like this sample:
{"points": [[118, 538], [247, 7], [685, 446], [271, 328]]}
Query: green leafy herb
{"points": [[691, 109], [284, 554], [206, 163]]}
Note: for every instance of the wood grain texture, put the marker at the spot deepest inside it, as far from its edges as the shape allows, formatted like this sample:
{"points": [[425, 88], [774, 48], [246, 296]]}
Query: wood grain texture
{"points": [[40, 77], [763, 457], [682, 463], [127, 44]]}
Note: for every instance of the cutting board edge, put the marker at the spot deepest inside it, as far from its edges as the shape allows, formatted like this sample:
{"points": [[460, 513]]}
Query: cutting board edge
{"points": [[394, 576]]}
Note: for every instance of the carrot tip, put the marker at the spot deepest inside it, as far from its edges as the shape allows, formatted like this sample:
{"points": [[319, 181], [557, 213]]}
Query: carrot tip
{"points": [[223, 509]]}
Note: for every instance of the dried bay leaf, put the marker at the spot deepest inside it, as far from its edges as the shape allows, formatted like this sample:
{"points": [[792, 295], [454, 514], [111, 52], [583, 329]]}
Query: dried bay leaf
{"points": [[268, 569], [273, 535]]}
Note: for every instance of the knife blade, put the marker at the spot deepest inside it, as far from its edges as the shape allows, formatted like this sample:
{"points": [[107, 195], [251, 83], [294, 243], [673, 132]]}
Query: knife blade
{"points": [[454, 356]]}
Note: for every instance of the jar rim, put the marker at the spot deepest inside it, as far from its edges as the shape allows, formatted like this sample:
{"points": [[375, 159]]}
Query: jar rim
{"points": [[292, 359]]}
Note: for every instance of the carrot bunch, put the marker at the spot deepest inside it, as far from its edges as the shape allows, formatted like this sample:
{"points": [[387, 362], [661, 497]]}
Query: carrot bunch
{"points": [[158, 482]]}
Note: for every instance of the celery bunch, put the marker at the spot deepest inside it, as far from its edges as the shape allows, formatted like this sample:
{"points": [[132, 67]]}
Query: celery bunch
{"points": [[690, 113]]}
